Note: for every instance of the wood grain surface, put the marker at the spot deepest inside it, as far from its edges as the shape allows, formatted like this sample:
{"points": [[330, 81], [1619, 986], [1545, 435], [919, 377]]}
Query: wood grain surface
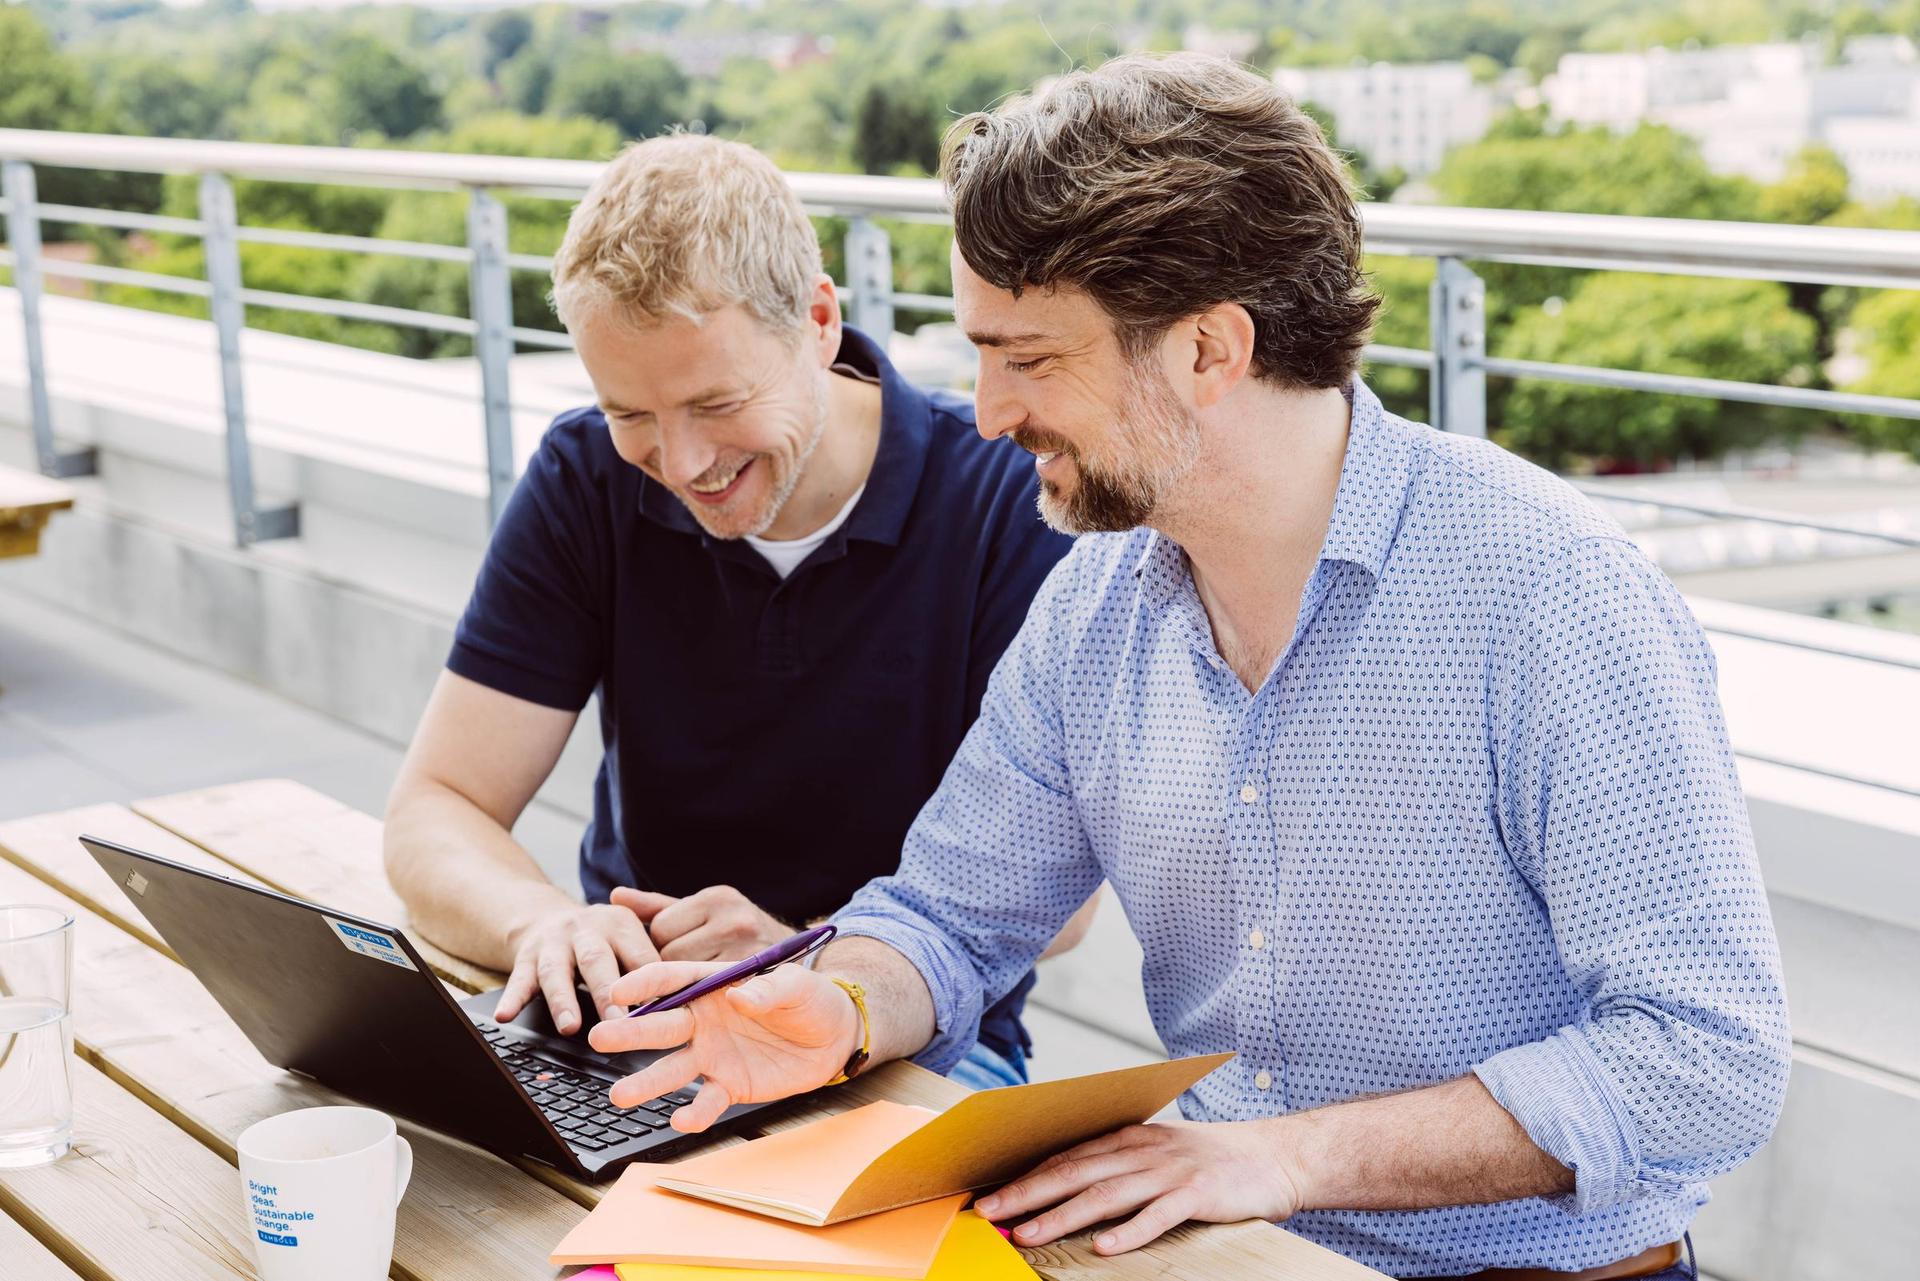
{"points": [[27, 1259], [137, 1197]]}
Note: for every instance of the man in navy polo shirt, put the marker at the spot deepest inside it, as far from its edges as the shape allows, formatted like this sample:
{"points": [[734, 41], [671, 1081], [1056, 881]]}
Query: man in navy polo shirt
{"points": [[786, 573]]}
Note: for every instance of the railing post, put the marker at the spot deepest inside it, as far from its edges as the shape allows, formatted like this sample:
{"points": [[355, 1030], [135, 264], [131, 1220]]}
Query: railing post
{"points": [[23, 233], [490, 300], [222, 241], [870, 279], [1458, 389]]}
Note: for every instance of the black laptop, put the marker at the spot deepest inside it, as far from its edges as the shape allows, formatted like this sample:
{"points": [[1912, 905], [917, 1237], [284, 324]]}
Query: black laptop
{"points": [[348, 1002]]}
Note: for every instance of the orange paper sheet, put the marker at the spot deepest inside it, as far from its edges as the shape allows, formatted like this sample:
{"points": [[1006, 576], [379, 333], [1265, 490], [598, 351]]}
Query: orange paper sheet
{"points": [[639, 1222], [802, 1170], [974, 1250]]}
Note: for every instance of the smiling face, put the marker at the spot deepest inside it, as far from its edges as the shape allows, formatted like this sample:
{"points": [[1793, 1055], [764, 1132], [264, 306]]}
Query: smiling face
{"points": [[724, 413], [1110, 437]]}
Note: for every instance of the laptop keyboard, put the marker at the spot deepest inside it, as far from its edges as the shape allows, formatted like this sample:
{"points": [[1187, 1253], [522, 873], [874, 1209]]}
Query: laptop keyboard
{"points": [[576, 1103]]}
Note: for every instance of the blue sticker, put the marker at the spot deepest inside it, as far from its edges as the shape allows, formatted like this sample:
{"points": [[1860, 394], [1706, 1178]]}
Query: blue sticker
{"points": [[382, 947]]}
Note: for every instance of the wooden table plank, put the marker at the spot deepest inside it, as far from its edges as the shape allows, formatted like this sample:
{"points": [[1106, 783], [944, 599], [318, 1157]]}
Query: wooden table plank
{"points": [[307, 844], [148, 1023], [27, 492], [135, 1198], [27, 1259], [238, 823], [27, 501], [49, 845]]}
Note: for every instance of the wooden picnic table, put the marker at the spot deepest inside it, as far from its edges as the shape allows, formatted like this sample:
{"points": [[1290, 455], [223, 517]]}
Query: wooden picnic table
{"points": [[166, 1083], [27, 502]]}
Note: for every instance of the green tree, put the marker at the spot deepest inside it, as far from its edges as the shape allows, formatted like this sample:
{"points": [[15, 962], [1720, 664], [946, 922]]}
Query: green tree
{"points": [[1887, 330], [1812, 190], [156, 96], [374, 89], [1651, 172], [1732, 329], [502, 35], [1403, 285], [43, 88], [1539, 53], [525, 81], [895, 126], [642, 94]]}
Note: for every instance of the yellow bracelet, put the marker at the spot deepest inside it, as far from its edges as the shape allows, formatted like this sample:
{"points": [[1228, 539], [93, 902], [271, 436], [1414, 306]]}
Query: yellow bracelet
{"points": [[858, 1059]]}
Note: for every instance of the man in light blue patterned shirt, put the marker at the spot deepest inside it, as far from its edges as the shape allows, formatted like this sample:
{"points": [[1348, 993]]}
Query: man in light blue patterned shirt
{"points": [[1404, 762]]}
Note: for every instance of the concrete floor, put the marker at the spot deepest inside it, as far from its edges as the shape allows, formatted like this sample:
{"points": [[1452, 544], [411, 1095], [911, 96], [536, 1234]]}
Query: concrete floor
{"points": [[89, 715]]}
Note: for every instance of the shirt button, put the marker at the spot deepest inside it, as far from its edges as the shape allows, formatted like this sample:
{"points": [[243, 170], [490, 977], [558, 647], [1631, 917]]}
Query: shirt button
{"points": [[1262, 1080], [1257, 940], [1249, 793]]}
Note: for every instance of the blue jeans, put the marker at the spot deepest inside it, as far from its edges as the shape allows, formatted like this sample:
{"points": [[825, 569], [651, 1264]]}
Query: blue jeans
{"points": [[985, 1068]]}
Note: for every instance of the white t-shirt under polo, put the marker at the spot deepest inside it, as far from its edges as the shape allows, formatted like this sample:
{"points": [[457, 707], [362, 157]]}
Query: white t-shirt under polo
{"points": [[785, 554]]}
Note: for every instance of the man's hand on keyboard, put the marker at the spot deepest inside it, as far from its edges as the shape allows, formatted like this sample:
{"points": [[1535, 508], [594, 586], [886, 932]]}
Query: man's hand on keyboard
{"points": [[599, 942]]}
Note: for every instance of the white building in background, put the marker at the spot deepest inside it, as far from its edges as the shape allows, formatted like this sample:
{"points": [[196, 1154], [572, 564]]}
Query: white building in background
{"points": [[1619, 90], [1399, 114], [1751, 107], [1881, 153]]}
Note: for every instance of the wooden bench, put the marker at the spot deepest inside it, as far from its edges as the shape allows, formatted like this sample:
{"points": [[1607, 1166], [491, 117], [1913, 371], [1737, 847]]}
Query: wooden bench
{"points": [[167, 1082], [27, 502]]}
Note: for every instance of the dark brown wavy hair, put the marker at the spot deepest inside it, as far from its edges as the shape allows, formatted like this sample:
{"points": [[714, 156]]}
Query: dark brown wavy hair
{"points": [[1162, 186]]}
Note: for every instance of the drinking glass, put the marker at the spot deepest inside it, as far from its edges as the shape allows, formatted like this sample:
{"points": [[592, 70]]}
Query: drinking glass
{"points": [[36, 1034]]}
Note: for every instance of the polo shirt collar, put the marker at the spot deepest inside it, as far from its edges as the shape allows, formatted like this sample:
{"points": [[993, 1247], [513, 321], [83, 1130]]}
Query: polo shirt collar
{"points": [[1367, 507], [906, 427]]}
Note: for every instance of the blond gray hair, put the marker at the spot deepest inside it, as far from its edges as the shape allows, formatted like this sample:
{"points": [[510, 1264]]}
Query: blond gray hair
{"points": [[683, 226]]}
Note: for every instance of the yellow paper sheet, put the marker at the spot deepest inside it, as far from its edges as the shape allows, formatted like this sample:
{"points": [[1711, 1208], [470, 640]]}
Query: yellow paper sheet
{"points": [[973, 1250]]}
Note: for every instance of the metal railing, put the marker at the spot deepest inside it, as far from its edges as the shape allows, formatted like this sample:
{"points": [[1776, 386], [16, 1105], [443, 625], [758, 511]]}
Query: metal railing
{"points": [[1457, 362]]}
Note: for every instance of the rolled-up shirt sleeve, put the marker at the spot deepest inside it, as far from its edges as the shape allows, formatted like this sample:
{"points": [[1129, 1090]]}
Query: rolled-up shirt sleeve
{"points": [[997, 861], [1620, 803]]}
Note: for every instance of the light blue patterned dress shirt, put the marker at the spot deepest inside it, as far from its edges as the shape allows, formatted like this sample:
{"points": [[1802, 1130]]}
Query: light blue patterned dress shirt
{"points": [[1482, 816]]}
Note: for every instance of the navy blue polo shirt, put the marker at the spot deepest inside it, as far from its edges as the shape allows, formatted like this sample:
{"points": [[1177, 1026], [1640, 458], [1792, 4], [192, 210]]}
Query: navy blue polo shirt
{"points": [[774, 735]]}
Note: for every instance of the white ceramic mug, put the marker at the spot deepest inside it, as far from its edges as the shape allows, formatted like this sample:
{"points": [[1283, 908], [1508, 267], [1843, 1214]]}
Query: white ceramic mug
{"points": [[322, 1186]]}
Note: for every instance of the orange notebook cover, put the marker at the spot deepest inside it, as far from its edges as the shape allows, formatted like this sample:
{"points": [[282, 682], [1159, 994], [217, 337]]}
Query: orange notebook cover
{"points": [[637, 1222], [887, 1155]]}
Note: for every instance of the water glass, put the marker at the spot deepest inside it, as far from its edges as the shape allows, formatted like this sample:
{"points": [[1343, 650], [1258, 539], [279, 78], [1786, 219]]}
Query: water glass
{"points": [[36, 1034]]}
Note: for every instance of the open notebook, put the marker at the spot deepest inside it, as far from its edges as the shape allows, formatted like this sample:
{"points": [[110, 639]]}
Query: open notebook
{"points": [[887, 1155]]}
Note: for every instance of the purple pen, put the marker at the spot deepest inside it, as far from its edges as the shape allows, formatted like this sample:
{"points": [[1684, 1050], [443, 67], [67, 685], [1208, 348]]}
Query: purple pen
{"points": [[790, 949]]}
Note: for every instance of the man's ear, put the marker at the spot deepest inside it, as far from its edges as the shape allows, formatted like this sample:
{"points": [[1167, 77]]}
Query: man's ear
{"points": [[822, 330], [1222, 346]]}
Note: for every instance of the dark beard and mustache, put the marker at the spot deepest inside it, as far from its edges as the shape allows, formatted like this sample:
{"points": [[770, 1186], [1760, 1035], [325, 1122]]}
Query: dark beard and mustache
{"points": [[1159, 439]]}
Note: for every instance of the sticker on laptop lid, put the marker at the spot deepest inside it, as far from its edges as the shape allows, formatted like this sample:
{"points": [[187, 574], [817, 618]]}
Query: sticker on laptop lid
{"points": [[382, 947]]}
